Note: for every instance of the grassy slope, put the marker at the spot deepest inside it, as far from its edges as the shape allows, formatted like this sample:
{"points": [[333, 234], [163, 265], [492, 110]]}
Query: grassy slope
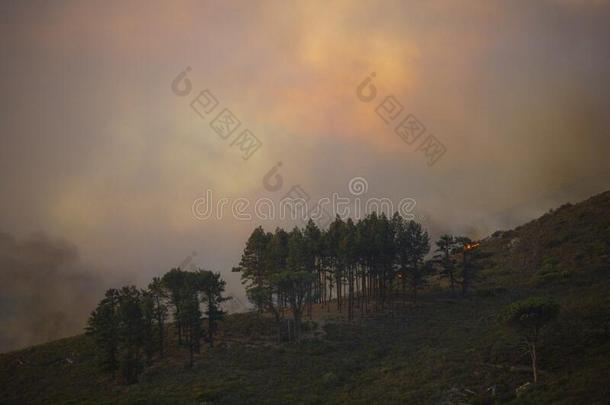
{"points": [[441, 350]]}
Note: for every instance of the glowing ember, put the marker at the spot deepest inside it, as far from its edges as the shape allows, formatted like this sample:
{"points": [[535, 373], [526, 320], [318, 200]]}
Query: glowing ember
{"points": [[470, 246]]}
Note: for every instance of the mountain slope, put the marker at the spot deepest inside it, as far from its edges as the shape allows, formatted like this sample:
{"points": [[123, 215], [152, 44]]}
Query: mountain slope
{"points": [[440, 350]]}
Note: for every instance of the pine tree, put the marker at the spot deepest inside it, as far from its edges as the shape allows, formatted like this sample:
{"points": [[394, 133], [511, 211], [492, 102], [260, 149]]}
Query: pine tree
{"points": [[417, 246], [212, 288], [296, 279], [254, 264], [313, 239], [130, 333], [103, 328], [446, 245], [159, 296]]}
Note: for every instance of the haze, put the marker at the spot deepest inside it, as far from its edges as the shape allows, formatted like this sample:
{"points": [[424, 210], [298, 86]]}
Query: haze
{"points": [[101, 161]]}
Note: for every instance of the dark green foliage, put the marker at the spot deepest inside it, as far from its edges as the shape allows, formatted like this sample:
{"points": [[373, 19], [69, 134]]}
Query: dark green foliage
{"points": [[429, 355], [131, 333], [103, 327], [253, 264], [118, 328], [357, 265], [413, 244], [187, 291], [528, 317], [212, 288], [128, 326], [446, 247], [157, 293], [442, 350]]}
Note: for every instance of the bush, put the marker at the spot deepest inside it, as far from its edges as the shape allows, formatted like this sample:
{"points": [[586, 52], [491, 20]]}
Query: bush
{"points": [[528, 317]]}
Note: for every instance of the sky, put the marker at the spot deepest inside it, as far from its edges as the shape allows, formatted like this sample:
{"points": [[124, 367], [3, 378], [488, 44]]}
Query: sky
{"points": [[103, 157]]}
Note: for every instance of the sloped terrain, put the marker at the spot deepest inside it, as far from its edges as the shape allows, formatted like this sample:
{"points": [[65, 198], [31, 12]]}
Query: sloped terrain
{"points": [[442, 349]]}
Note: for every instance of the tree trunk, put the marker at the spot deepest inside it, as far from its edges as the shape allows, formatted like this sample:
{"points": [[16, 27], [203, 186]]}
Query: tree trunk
{"points": [[297, 325], [161, 339], [339, 290], [179, 325], [534, 362], [466, 275], [451, 278], [191, 346], [211, 323], [350, 304]]}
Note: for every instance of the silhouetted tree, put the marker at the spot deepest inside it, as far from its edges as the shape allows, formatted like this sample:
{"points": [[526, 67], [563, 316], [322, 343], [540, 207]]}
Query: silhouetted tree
{"points": [[528, 317], [212, 288], [445, 247], [296, 279], [159, 296], [190, 318], [117, 327], [469, 252], [130, 332], [176, 283], [416, 244], [103, 328], [359, 261], [313, 262], [254, 266], [148, 324]]}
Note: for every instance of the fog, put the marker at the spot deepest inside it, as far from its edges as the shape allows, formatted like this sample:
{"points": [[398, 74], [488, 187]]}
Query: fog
{"points": [[45, 290], [98, 152]]}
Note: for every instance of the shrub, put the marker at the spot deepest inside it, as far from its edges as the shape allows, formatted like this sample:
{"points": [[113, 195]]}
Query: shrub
{"points": [[528, 317]]}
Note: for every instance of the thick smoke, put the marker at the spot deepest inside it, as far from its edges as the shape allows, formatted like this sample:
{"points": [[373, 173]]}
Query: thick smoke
{"points": [[46, 293], [95, 146]]}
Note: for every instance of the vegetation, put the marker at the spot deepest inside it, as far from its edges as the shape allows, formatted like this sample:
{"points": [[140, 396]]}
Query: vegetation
{"points": [[129, 324], [446, 247], [528, 317], [409, 337], [359, 266]]}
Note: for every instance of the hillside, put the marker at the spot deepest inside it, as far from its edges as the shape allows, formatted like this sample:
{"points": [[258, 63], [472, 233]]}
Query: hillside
{"points": [[440, 349]]}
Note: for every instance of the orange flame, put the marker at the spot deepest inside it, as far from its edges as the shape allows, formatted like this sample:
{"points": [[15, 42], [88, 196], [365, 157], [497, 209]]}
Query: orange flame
{"points": [[470, 246]]}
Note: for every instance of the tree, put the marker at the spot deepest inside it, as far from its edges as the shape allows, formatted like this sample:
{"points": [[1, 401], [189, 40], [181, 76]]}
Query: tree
{"points": [[128, 324], [148, 315], [528, 317], [332, 240], [348, 258], [212, 287], [103, 328], [384, 254], [445, 247], [117, 327], [176, 283], [159, 296], [313, 264], [358, 260], [361, 247], [277, 256], [470, 253], [130, 332], [254, 264], [190, 318], [415, 242], [188, 289], [184, 287], [296, 279]]}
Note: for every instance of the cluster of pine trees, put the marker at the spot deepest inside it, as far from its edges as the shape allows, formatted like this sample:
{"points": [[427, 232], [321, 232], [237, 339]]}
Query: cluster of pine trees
{"points": [[359, 266], [129, 325]]}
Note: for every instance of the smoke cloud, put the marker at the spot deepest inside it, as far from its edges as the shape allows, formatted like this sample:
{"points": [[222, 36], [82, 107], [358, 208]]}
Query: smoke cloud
{"points": [[96, 148], [46, 292]]}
